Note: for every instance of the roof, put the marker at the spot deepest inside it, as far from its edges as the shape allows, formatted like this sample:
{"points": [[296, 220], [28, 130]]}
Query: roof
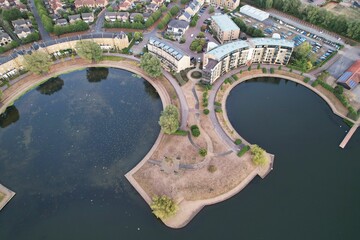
{"points": [[272, 41], [74, 17], [225, 23], [352, 75], [110, 14], [22, 29], [178, 24], [187, 15], [4, 35], [20, 21], [176, 53], [87, 15], [223, 50], [254, 12], [62, 20]]}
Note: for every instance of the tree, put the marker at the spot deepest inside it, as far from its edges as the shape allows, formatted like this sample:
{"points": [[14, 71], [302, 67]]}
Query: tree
{"points": [[89, 50], [211, 10], [138, 18], [137, 36], [38, 62], [11, 115], [110, 9], [11, 14], [174, 10], [169, 119], [151, 65], [163, 207], [258, 155]]}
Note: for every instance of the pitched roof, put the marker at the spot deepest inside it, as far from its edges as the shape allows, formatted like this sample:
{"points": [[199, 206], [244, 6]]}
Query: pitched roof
{"points": [[178, 23]]}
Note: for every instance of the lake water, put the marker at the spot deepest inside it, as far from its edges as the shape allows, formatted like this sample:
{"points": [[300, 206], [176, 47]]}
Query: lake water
{"points": [[65, 153]]}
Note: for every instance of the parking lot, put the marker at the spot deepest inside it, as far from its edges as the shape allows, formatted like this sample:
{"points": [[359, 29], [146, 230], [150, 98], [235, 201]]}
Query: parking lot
{"points": [[322, 49]]}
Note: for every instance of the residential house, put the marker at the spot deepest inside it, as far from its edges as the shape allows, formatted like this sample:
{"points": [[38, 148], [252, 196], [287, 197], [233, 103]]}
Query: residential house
{"points": [[158, 2], [229, 4], [90, 3], [22, 32], [351, 77], [152, 7], [177, 27], [55, 5], [185, 16], [22, 7], [74, 18], [146, 16], [110, 16], [4, 38], [21, 23], [61, 22], [87, 17], [122, 16], [4, 3], [132, 16], [125, 5]]}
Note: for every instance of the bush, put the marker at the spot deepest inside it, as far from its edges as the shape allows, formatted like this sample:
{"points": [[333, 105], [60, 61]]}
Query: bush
{"points": [[212, 168], [203, 152], [347, 122], [238, 141], [241, 71], [264, 70], [315, 83], [235, 77], [195, 131], [280, 67], [163, 207], [306, 79], [258, 66], [243, 151], [206, 111], [258, 155], [218, 110], [180, 132], [217, 104], [249, 68], [272, 70]]}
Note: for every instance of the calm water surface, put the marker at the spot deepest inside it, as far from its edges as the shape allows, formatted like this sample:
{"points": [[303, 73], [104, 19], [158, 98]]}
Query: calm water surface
{"points": [[65, 153]]}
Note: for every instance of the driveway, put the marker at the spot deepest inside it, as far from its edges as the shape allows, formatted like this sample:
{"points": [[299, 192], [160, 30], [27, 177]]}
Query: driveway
{"points": [[45, 36]]}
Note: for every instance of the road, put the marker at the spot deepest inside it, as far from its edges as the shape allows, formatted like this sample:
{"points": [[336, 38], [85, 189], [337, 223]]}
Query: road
{"points": [[45, 36], [98, 25]]}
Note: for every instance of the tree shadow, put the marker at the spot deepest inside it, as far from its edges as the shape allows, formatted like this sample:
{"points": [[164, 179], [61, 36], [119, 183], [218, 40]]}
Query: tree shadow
{"points": [[11, 115], [51, 86], [97, 74]]}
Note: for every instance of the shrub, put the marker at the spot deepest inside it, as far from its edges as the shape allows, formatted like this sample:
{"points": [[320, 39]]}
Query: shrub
{"points": [[279, 68], [238, 141], [258, 66], [306, 79], [264, 70], [195, 131], [212, 168], [249, 68], [241, 71], [163, 207], [203, 152], [243, 151], [206, 111], [235, 77], [272, 70], [180, 132], [315, 83], [205, 104], [218, 110]]}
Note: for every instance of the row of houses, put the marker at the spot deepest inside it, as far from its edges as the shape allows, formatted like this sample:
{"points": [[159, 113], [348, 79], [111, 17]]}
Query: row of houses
{"points": [[86, 17], [228, 4], [193, 8], [125, 16], [220, 59], [13, 63], [7, 4]]}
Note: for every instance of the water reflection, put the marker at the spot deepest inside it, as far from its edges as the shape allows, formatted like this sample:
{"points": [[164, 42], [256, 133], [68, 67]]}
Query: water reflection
{"points": [[149, 89], [97, 74], [11, 115], [51, 86]]}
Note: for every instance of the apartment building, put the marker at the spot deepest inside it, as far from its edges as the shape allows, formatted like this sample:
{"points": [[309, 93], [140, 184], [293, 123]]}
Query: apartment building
{"points": [[223, 58], [226, 30], [229, 4], [170, 57]]}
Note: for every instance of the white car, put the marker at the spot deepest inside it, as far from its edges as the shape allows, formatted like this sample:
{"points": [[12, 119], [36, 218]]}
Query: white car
{"points": [[192, 35]]}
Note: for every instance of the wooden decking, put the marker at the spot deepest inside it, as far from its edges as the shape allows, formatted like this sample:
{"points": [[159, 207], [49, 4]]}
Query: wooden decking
{"points": [[348, 136], [8, 196]]}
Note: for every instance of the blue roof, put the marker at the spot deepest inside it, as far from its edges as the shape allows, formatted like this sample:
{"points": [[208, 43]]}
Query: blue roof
{"points": [[352, 84], [345, 77]]}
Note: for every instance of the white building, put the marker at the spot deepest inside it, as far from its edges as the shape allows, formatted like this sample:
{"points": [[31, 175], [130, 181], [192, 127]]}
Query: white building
{"points": [[254, 13], [177, 27], [223, 58], [170, 57]]}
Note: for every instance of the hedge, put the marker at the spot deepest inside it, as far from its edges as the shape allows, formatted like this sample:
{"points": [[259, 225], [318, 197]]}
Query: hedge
{"points": [[243, 151]]}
